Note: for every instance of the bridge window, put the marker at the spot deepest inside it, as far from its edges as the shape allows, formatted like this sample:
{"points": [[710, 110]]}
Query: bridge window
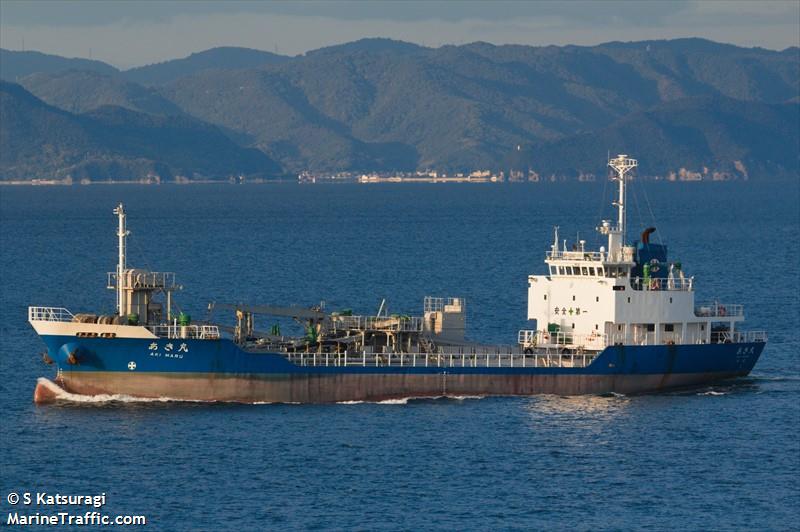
{"points": [[552, 270], [560, 270], [600, 271], [585, 270], [569, 270], [591, 271]]}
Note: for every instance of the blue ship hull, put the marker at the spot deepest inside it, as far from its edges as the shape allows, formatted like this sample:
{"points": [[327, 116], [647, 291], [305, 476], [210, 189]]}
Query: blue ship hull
{"points": [[219, 370]]}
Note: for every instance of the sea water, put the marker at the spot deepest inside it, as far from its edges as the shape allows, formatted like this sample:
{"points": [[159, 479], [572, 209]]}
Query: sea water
{"points": [[718, 457]]}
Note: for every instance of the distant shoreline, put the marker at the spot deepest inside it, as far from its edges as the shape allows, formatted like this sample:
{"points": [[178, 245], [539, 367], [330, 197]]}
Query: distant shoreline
{"points": [[55, 183]]}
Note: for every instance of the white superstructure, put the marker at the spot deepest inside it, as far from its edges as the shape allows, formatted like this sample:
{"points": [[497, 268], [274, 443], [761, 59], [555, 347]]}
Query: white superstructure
{"points": [[592, 299]]}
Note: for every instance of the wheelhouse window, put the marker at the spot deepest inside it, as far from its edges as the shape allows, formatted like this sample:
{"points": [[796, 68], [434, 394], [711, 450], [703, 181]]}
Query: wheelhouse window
{"points": [[560, 270], [552, 270], [569, 270], [585, 270], [600, 271], [591, 271]]}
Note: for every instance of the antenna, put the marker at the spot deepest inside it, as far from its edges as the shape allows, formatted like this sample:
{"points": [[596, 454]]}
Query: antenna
{"points": [[555, 241]]}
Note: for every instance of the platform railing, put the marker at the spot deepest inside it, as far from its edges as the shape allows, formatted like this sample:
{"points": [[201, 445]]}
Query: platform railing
{"points": [[377, 323], [718, 310], [657, 284], [143, 279], [577, 255], [49, 314], [438, 304], [464, 359]]}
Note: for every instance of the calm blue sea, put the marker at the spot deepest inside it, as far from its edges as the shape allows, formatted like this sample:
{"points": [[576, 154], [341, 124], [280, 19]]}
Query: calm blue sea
{"points": [[718, 458]]}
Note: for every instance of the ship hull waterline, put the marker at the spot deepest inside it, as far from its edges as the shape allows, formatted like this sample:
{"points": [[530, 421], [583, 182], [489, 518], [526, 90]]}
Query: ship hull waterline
{"points": [[221, 371]]}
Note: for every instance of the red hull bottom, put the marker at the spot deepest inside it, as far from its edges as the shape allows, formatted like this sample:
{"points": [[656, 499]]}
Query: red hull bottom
{"points": [[355, 387]]}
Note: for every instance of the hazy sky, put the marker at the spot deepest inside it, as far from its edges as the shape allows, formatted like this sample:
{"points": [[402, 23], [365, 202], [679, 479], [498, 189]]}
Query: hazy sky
{"points": [[131, 33]]}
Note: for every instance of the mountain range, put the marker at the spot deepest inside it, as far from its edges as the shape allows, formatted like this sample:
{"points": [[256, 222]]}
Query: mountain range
{"points": [[686, 105]]}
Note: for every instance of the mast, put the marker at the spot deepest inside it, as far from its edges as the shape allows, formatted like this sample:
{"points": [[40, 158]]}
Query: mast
{"points": [[616, 236], [121, 234]]}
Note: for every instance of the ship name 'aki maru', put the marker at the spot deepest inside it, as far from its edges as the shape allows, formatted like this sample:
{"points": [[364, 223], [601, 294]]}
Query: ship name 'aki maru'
{"points": [[620, 319]]}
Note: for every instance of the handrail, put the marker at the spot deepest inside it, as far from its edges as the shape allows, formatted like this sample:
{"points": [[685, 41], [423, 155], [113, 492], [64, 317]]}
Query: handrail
{"points": [[592, 341], [201, 332], [577, 255], [49, 314], [438, 304], [377, 323], [653, 284], [716, 309], [463, 359], [738, 337], [143, 279]]}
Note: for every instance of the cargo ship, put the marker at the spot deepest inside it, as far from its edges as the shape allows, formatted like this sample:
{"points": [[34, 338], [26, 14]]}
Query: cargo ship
{"points": [[620, 319]]}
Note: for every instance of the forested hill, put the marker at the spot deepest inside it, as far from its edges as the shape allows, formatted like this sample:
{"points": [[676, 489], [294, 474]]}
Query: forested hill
{"points": [[686, 105]]}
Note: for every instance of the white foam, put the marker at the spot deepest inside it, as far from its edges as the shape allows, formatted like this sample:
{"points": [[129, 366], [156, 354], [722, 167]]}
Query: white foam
{"points": [[62, 395], [405, 400], [401, 401], [712, 392]]}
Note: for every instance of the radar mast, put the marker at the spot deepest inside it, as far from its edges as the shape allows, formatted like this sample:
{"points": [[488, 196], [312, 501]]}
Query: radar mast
{"points": [[622, 165]]}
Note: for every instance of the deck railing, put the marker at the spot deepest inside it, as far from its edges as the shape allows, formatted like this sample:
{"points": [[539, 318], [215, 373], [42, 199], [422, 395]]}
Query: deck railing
{"points": [[657, 284], [738, 337], [49, 314], [592, 341], [577, 255], [200, 332], [377, 323], [544, 359], [718, 310]]}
